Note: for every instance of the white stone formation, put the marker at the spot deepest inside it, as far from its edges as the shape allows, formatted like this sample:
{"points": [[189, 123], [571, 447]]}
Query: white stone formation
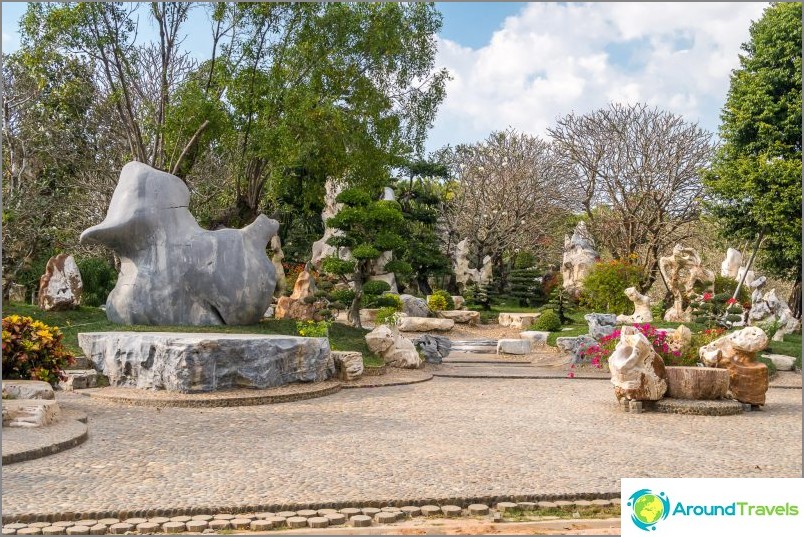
{"points": [[770, 307], [395, 349], [60, 287], [579, 258], [637, 371], [642, 313], [464, 275], [681, 270], [331, 207], [731, 264]]}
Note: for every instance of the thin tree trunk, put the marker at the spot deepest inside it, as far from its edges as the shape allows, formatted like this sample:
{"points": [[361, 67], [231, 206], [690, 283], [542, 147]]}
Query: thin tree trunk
{"points": [[354, 311], [794, 301]]}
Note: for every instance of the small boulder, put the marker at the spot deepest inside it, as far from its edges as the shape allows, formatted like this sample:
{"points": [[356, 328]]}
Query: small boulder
{"points": [[517, 320], [600, 324], [28, 389], [433, 348], [461, 316], [30, 412], [514, 346], [459, 301], [537, 338], [423, 324], [348, 364], [782, 362], [414, 306], [395, 349], [575, 346], [60, 287]]}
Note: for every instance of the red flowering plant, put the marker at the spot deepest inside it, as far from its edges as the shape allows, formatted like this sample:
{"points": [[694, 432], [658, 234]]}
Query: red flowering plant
{"points": [[597, 355]]}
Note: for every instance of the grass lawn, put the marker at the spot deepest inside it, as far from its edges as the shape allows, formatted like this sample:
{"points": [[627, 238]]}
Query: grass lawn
{"points": [[491, 315], [85, 319]]}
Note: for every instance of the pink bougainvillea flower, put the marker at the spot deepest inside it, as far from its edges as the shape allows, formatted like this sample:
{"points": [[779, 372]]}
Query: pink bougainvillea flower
{"points": [[731, 301], [707, 296], [571, 375]]}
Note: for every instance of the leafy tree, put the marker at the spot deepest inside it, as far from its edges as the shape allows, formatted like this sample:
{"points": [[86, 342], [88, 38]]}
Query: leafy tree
{"points": [[755, 179], [368, 228]]}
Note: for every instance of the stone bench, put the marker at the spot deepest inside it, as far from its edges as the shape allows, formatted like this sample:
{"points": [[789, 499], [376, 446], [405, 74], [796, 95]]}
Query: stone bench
{"points": [[514, 346], [517, 320], [461, 316]]}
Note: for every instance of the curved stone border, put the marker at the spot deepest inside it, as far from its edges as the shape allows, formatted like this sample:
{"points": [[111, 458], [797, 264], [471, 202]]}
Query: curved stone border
{"points": [[391, 379], [70, 431], [353, 507], [229, 398], [375, 371], [722, 407], [544, 376]]}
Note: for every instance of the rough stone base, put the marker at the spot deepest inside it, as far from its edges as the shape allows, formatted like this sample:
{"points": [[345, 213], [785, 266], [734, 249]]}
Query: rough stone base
{"points": [[203, 362], [30, 412], [723, 407]]}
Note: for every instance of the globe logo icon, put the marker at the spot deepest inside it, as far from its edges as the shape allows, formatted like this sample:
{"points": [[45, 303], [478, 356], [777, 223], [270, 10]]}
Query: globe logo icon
{"points": [[648, 508]]}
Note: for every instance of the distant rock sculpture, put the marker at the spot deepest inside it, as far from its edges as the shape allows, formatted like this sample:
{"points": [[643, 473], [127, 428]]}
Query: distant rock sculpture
{"points": [[770, 307], [575, 346], [600, 324], [433, 348], [459, 301], [464, 275], [680, 340], [681, 270], [16, 292], [395, 349], [60, 287], [637, 371], [331, 207], [301, 304], [579, 258], [749, 276], [277, 255], [642, 313], [748, 379], [731, 264], [172, 271]]}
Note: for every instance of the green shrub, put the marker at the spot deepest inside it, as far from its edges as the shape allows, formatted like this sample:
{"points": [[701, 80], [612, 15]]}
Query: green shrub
{"points": [[99, 278], [437, 303], [388, 300], [33, 351], [548, 321], [447, 297], [313, 328], [603, 288], [376, 287], [342, 295], [386, 316]]}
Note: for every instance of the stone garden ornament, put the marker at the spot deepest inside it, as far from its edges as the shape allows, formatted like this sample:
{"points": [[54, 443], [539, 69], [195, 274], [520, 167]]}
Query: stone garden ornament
{"points": [[681, 270], [173, 272], [642, 313], [637, 371], [579, 258]]}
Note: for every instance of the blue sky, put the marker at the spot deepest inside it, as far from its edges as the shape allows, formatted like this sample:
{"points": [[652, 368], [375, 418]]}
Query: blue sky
{"points": [[522, 65]]}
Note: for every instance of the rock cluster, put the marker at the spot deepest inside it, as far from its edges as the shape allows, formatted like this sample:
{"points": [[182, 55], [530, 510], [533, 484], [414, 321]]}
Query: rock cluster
{"points": [[748, 379], [301, 304], [769, 307]]}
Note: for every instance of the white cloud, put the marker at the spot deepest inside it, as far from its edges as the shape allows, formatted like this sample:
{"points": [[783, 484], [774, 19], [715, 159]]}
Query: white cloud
{"points": [[552, 59]]}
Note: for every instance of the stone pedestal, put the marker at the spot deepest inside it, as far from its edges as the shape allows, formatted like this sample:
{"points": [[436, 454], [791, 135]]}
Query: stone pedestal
{"points": [[202, 362], [702, 383], [749, 382]]}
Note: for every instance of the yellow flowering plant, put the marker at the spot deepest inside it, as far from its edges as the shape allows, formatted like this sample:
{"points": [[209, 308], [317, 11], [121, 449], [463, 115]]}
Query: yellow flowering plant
{"points": [[33, 350]]}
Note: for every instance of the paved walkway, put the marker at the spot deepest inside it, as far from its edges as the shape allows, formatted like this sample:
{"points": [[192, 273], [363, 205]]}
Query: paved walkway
{"points": [[445, 438]]}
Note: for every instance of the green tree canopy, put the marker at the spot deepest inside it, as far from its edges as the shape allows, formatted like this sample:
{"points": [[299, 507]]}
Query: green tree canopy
{"points": [[755, 180]]}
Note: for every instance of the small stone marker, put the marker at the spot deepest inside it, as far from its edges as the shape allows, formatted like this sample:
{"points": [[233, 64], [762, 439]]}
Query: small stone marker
{"points": [[505, 507], [42, 525], [583, 503], [219, 524], [261, 525], [197, 526], [307, 513], [385, 518], [98, 529], [15, 526], [225, 516], [335, 519], [635, 407], [148, 527], [296, 522], [240, 523], [121, 527], [86, 522], [478, 509], [325, 512], [77, 530], [546, 505], [259, 515], [360, 521], [526, 506], [135, 521], [615, 501], [430, 510], [318, 522], [9, 531], [109, 521], [159, 520], [29, 531], [49, 530], [174, 527], [61, 524], [451, 510], [411, 510], [277, 521]]}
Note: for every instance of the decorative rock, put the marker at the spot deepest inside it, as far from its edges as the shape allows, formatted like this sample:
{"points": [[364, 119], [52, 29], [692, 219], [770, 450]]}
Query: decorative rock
{"points": [[601, 503], [207, 518], [78, 530], [98, 529], [579, 258], [600, 324], [240, 523], [47, 530], [277, 255], [430, 510], [574, 346], [157, 520], [296, 522], [680, 340], [537, 338], [60, 287], [478, 509], [370, 511], [385, 518], [748, 379], [395, 349], [698, 383], [637, 371], [62, 524], [121, 527], [173, 527], [414, 306], [465, 275], [218, 524], [350, 511], [505, 507], [433, 348], [526, 506], [29, 531], [563, 504], [517, 320], [172, 271], [286, 514], [79, 379], [335, 519], [348, 364], [136, 521], [514, 346], [458, 300], [680, 271], [451, 511], [360, 521], [411, 510], [28, 389], [16, 293], [423, 324], [719, 407], [258, 525], [15, 526], [152, 527], [198, 362], [772, 308], [196, 526], [321, 248], [782, 362], [461, 316], [109, 521], [731, 264], [642, 313], [30, 412], [749, 276], [301, 305]]}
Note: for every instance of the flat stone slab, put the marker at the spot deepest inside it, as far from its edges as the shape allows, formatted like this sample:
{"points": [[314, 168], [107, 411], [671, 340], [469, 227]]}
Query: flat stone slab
{"points": [[723, 407], [424, 324], [514, 346], [203, 362], [28, 389], [517, 320], [461, 316]]}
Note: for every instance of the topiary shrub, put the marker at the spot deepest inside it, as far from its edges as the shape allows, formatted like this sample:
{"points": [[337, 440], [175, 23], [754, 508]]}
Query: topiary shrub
{"points": [[33, 351], [447, 297], [548, 321], [603, 288], [99, 278], [437, 303], [376, 287], [388, 300]]}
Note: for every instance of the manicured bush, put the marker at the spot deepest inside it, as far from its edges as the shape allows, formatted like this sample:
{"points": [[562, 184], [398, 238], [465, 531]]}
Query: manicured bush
{"points": [[603, 288], [33, 351], [388, 300], [447, 297], [344, 296], [313, 328], [525, 285], [437, 303], [548, 321], [376, 287]]}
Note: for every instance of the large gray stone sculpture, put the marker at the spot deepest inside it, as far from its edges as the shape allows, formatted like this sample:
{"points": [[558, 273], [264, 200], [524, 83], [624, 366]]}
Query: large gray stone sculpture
{"points": [[579, 258], [173, 272]]}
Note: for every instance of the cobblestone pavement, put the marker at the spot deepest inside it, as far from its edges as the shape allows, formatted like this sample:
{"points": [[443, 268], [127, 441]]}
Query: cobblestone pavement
{"points": [[445, 438]]}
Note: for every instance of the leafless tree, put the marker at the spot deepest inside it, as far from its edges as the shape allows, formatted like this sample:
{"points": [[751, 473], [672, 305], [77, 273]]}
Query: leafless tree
{"points": [[509, 192], [635, 172]]}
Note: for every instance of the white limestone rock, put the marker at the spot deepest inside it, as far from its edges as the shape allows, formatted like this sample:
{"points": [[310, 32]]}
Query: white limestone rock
{"points": [[642, 313], [579, 258], [461, 316], [395, 349], [202, 362], [731, 264], [423, 324], [30, 412], [681, 270], [514, 346], [28, 389], [537, 338], [348, 364], [637, 371], [517, 320], [782, 362]]}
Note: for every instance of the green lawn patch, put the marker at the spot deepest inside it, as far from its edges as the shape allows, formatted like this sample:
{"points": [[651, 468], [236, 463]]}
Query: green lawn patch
{"points": [[86, 319]]}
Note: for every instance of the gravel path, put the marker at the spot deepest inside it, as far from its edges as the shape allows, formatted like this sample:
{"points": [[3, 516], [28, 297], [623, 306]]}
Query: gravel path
{"points": [[444, 438]]}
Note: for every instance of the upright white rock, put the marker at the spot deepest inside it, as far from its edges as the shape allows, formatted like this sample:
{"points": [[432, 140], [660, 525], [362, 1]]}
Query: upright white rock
{"points": [[579, 258], [637, 371], [277, 255], [395, 349], [731, 264], [681, 270], [331, 207], [60, 287], [642, 313]]}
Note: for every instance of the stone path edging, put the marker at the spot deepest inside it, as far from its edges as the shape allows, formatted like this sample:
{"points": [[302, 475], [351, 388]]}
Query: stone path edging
{"points": [[69, 432], [382, 382]]}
